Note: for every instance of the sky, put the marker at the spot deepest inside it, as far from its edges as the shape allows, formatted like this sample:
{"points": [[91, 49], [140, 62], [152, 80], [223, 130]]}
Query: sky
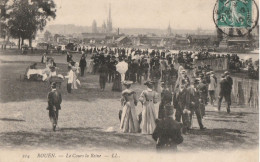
{"points": [[181, 14]]}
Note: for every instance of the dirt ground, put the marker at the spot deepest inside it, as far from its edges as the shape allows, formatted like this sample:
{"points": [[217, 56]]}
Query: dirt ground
{"points": [[89, 117]]}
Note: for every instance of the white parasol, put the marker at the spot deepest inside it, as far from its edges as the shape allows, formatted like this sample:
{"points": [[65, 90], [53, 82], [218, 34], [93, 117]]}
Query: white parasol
{"points": [[122, 67]]}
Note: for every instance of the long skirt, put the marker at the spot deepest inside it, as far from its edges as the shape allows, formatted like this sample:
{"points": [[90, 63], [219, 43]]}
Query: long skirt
{"points": [[90, 67], [129, 122], [117, 85], [148, 118], [74, 82]]}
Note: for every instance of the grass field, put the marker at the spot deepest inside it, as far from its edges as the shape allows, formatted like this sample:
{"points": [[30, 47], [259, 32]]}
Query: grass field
{"points": [[89, 117]]}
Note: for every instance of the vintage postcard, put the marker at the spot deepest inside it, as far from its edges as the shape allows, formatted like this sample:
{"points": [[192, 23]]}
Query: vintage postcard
{"points": [[129, 80]]}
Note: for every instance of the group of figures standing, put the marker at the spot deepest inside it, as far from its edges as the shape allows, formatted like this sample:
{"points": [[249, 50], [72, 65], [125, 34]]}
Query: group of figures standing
{"points": [[182, 93]]}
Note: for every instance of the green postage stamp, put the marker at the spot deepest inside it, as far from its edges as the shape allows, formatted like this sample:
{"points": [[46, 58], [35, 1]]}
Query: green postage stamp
{"points": [[235, 13], [235, 17]]}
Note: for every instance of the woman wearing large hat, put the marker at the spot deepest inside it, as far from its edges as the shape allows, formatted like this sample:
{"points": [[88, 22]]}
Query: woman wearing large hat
{"points": [[129, 122], [148, 98]]}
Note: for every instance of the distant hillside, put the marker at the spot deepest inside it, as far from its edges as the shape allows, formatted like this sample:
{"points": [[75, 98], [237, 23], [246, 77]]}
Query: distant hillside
{"points": [[67, 29], [73, 29]]}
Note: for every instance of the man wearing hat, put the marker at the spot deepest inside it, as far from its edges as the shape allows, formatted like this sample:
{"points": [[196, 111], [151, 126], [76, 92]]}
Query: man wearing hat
{"points": [[82, 65], [103, 73], [145, 67], [212, 88], [180, 103], [164, 68], [229, 80], [167, 133], [172, 77], [193, 102], [166, 99], [155, 77], [54, 101], [225, 91], [111, 69], [203, 93]]}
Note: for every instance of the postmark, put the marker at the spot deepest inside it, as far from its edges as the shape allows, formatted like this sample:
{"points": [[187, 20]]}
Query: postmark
{"points": [[235, 18]]}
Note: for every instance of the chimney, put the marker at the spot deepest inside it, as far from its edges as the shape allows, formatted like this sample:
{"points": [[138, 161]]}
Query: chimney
{"points": [[117, 31]]}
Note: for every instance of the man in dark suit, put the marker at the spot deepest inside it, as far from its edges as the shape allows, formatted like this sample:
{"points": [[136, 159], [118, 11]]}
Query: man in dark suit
{"points": [[180, 104], [203, 96], [193, 102], [103, 73], [167, 133], [145, 68], [166, 100], [54, 101], [229, 90], [155, 77], [112, 69], [82, 65], [225, 91]]}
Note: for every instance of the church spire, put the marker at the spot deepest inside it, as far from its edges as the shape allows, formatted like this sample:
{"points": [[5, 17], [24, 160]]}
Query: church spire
{"points": [[169, 30], [109, 20]]}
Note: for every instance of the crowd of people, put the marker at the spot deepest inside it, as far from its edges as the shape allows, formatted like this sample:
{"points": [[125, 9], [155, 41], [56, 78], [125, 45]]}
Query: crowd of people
{"points": [[183, 92]]}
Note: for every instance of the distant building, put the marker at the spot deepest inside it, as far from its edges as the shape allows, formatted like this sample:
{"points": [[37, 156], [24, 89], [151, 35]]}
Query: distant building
{"points": [[99, 38], [169, 30], [202, 40], [109, 21], [123, 40], [145, 40], [181, 41], [104, 28], [94, 27], [93, 37]]}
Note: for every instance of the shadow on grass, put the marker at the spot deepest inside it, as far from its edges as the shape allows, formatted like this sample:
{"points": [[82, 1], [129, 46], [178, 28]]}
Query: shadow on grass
{"points": [[220, 120], [96, 138], [71, 138], [212, 139], [12, 120], [222, 114]]}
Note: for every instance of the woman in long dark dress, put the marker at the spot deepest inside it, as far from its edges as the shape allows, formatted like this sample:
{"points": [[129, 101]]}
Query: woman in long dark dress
{"points": [[117, 86]]}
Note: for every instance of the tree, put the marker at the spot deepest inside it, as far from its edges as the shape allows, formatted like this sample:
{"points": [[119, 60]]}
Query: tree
{"points": [[5, 7], [28, 16], [47, 35]]}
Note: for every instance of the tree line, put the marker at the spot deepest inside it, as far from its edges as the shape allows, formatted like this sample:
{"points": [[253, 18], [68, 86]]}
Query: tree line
{"points": [[21, 19]]}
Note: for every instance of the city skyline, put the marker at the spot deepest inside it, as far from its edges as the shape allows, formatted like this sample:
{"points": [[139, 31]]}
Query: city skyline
{"points": [[137, 14]]}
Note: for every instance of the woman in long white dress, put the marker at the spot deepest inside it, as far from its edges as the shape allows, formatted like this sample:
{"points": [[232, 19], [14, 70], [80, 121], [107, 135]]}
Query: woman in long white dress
{"points": [[129, 122], [148, 98], [75, 70]]}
